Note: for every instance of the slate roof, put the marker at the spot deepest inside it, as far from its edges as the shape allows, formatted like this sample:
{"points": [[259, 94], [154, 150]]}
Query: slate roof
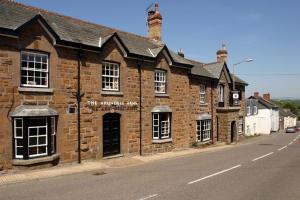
{"points": [[286, 113], [198, 69], [14, 15], [214, 68], [262, 103]]}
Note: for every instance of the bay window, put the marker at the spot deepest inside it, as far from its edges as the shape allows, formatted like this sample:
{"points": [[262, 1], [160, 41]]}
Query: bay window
{"points": [[161, 125], [34, 137], [203, 130]]}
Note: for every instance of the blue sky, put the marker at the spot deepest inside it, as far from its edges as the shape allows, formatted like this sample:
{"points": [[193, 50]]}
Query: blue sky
{"points": [[265, 30]]}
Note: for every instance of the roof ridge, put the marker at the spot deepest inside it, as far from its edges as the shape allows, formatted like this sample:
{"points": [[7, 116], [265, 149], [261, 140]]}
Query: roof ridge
{"points": [[33, 8]]}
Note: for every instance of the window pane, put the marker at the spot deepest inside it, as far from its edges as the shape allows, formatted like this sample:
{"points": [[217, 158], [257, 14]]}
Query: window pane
{"points": [[33, 141], [19, 132], [42, 150], [32, 131], [19, 151], [32, 151]]}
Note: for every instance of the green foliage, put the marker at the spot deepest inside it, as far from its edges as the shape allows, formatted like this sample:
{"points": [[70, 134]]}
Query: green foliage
{"points": [[293, 105]]}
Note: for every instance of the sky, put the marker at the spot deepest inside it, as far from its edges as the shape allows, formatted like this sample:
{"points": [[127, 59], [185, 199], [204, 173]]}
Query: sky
{"points": [[266, 31]]}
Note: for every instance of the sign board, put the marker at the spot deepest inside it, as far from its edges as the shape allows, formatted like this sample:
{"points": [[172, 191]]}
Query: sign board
{"points": [[112, 105]]}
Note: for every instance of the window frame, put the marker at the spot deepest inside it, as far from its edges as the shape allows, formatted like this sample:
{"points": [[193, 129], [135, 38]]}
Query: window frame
{"points": [[160, 83], [16, 138], [49, 145], [27, 69], [117, 77], [157, 126], [205, 132], [202, 94], [248, 109], [255, 110], [38, 136]]}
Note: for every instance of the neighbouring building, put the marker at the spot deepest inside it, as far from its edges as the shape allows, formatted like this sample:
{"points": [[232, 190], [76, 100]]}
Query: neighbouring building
{"points": [[262, 116], [286, 119], [73, 89]]}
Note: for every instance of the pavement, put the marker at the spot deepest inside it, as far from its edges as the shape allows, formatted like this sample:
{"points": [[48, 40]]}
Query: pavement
{"points": [[10, 177]]}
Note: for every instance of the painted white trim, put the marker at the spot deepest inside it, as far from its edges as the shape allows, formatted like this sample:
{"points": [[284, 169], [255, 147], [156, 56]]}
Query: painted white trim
{"points": [[100, 42]]}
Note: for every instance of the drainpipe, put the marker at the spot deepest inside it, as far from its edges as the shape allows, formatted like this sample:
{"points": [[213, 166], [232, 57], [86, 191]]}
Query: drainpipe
{"points": [[78, 97], [140, 107], [212, 110]]}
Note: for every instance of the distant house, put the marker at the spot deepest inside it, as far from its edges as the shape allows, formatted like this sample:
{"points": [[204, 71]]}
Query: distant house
{"points": [[286, 119], [262, 116]]}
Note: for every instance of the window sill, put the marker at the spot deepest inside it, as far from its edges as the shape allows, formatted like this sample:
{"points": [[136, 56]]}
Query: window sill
{"points": [[112, 93], [162, 95], [40, 90], [19, 162], [203, 104], [169, 140]]}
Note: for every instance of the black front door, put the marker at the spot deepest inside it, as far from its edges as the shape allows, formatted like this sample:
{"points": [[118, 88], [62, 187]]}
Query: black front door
{"points": [[111, 134]]}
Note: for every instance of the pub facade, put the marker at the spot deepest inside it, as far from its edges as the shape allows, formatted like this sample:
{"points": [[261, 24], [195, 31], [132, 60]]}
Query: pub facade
{"points": [[73, 90]]}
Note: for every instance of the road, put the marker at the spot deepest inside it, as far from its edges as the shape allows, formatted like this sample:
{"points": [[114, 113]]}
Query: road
{"points": [[261, 169]]}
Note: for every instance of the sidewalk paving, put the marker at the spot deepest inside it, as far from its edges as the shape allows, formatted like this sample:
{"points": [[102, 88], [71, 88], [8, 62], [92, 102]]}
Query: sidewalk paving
{"points": [[86, 166]]}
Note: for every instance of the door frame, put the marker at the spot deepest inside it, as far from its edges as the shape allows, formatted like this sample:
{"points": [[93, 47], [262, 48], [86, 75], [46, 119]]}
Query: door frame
{"points": [[119, 135]]}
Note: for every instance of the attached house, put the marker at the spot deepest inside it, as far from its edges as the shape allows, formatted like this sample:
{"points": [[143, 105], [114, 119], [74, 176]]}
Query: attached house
{"points": [[286, 119], [262, 116], [73, 90]]}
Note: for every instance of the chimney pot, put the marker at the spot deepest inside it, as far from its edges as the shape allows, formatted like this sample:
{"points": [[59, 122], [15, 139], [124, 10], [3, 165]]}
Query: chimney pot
{"points": [[267, 96], [181, 53], [222, 54], [154, 24]]}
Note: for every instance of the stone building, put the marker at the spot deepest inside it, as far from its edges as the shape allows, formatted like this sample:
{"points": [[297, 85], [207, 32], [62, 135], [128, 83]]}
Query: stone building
{"points": [[73, 90]]}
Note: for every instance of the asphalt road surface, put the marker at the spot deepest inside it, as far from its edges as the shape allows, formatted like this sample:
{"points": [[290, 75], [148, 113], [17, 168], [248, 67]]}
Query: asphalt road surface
{"points": [[266, 168]]}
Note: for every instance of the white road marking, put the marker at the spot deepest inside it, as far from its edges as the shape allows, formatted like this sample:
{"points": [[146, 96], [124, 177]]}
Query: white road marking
{"points": [[290, 143], [255, 159], [220, 172], [282, 148], [148, 197], [294, 140]]}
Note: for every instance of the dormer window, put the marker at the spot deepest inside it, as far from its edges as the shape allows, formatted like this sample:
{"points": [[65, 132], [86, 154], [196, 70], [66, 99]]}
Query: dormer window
{"points": [[34, 69], [160, 81], [110, 76]]}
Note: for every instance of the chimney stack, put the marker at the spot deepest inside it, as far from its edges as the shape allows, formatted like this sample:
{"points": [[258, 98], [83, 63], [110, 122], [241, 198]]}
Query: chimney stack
{"points": [[267, 97], [222, 54], [256, 94], [181, 53], [154, 24]]}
